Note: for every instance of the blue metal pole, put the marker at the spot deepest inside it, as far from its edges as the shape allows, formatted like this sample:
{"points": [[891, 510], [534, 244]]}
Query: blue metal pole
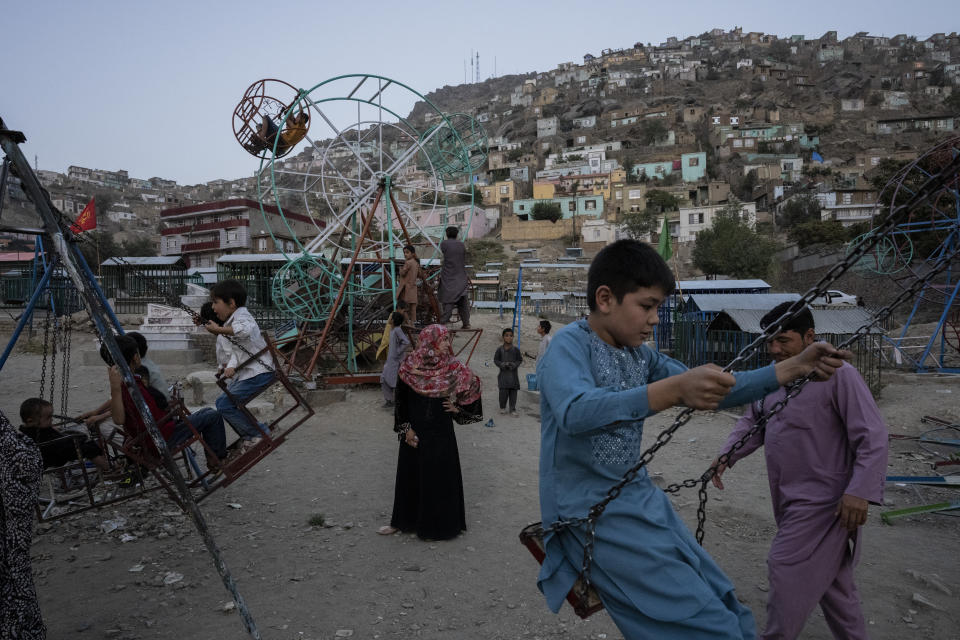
{"points": [[27, 313], [906, 327], [97, 290], [518, 306], [938, 331], [36, 259], [53, 305]]}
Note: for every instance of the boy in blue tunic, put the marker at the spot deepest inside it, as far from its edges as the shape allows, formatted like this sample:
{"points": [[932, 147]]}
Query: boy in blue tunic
{"points": [[598, 382]]}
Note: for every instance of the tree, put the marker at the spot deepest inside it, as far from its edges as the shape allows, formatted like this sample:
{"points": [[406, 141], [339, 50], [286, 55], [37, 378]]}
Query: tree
{"points": [[661, 201], [639, 224], [628, 163], [747, 185], [780, 51], [139, 247], [804, 208], [829, 232], [474, 195], [652, 130], [925, 241], [481, 251], [104, 201], [546, 211], [952, 102], [731, 247], [98, 246], [514, 154]]}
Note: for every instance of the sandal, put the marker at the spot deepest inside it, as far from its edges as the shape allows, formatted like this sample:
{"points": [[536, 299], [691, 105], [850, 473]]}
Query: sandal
{"points": [[387, 530]]}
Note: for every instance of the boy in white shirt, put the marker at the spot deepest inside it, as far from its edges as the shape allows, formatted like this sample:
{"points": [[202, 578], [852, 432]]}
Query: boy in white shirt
{"points": [[228, 299]]}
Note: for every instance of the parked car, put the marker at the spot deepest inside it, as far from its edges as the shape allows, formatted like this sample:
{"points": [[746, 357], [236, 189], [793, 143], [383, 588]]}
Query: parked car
{"points": [[836, 297]]}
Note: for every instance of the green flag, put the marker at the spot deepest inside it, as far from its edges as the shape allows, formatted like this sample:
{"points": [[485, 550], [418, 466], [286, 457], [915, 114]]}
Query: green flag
{"points": [[664, 248]]}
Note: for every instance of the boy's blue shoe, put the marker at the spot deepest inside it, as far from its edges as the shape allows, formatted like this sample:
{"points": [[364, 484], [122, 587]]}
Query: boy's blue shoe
{"points": [[490, 423]]}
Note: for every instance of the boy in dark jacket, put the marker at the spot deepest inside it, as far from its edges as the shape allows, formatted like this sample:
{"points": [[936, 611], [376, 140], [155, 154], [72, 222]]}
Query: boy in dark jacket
{"points": [[508, 359], [56, 448]]}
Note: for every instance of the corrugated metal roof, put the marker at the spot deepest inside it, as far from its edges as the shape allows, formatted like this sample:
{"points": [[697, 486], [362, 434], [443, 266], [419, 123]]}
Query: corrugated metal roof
{"points": [[554, 265], [17, 256], [143, 260], [255, 257], [713, 285], [717, 302], [535, 295], [826, 321]]}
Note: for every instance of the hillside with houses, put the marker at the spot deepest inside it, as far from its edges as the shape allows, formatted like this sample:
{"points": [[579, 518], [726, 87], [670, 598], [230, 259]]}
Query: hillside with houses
{"points": [[627, 141]]}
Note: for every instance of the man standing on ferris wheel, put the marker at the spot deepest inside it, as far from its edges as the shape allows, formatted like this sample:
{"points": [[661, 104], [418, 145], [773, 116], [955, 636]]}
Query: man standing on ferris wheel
{"points": [[454, 284]]}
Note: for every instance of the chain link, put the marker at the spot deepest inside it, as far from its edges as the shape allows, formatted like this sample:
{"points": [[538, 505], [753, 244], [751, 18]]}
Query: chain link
{"points": [[924, 193]]}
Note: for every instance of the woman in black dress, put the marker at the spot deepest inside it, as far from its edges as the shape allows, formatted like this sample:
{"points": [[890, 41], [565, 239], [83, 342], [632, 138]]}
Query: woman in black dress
{"points": [[20, 469], [434, 389]]}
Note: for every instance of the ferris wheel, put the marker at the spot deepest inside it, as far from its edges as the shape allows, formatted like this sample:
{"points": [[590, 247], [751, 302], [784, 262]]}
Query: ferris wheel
{"points": [[375, 165]]}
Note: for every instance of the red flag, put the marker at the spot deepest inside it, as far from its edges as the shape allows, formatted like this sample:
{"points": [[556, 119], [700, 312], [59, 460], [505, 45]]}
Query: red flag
{"points": [[87, 219]]}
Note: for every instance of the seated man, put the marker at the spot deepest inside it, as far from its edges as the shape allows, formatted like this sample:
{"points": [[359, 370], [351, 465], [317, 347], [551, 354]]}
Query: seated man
{"points": [[56, 448], [264, 137], [207, 422]]}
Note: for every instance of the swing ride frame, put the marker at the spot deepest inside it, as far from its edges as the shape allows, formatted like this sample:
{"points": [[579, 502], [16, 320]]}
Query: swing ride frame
{"points": [[60, 239]]}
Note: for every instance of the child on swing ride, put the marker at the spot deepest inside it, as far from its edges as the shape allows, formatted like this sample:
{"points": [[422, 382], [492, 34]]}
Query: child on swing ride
{"points": [[56, 447], [598, 382], [228, 299], [265, 136]]}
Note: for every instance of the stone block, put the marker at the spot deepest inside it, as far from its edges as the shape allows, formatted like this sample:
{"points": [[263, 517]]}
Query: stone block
{"points": [[200, 388], [323, 397]]}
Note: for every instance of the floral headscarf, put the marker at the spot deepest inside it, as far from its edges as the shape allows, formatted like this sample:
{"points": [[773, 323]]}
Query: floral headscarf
{"points": [[433, 371]]}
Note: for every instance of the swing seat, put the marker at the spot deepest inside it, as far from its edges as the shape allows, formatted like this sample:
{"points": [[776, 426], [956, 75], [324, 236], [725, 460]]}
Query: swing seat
{"points": [[290, 402], [532, 538], [140, 449]]}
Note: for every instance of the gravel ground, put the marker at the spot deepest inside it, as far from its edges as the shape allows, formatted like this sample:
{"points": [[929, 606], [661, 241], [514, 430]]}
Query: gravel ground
{"points": [[341, 579]]}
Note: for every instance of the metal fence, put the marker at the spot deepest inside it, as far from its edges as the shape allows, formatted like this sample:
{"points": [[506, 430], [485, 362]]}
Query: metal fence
{"points": [[695, 346], [257, 279], [132, 287], [18, 284]]}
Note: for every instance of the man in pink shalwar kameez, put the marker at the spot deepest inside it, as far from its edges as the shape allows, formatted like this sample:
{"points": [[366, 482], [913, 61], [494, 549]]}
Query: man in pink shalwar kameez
{"points": [[826, 457]]}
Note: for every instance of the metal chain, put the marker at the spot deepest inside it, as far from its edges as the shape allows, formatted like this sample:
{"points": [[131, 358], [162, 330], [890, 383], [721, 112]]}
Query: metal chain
{"points": [[65, 374], [924, 193], [55, 344], [798, 386], [46, 345]]}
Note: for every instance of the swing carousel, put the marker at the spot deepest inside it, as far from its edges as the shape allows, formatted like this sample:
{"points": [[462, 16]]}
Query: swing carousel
{"points": [[907, 254], [372, 180]]}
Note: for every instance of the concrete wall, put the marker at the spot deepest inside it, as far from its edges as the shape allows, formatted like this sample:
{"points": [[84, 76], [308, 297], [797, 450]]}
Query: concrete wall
{"points": [[513, 229]]}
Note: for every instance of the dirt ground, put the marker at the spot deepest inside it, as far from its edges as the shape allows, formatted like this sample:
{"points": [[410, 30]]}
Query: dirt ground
{"points": [[341, 579]]}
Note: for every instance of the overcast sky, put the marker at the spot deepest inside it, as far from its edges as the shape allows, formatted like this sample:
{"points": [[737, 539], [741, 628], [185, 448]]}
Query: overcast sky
{"points": [[150, 87]]}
